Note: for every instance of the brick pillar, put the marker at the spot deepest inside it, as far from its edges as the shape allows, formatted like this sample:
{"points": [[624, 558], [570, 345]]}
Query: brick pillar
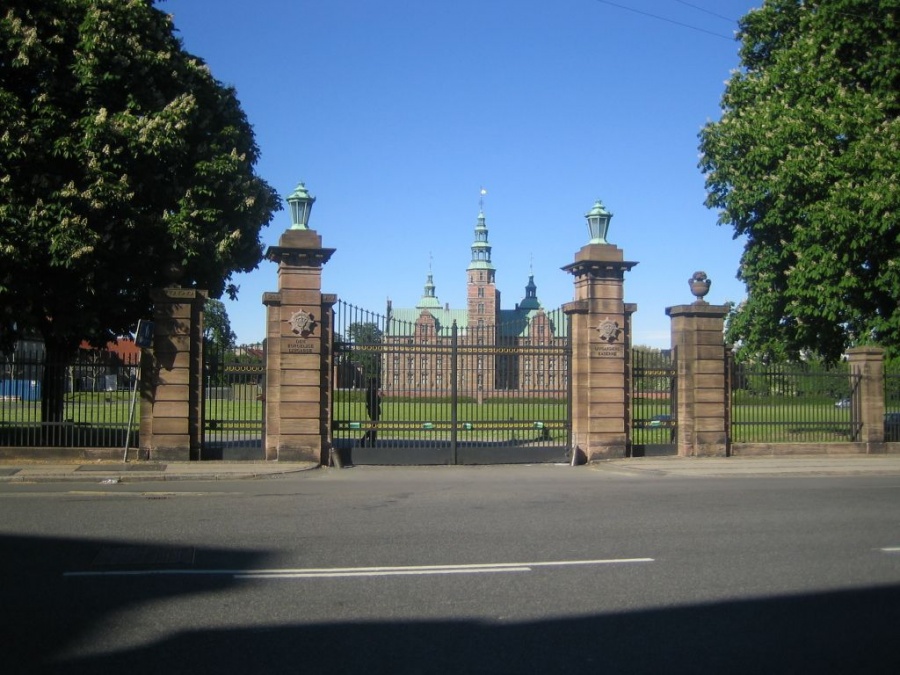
{"points": [[171, 377], [701, 384], [867, 403], [298, 330], [601, 345]]}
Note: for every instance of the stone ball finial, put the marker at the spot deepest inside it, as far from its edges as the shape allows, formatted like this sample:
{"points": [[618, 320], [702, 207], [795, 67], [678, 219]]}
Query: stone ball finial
{"points": [[700, 284]]}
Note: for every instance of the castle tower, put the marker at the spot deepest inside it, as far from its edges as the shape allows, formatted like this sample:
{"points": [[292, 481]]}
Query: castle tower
{"points": [[483, 298]]}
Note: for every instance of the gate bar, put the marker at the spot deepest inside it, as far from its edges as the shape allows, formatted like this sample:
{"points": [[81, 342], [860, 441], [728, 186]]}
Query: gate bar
{"points": [[454, 389]]}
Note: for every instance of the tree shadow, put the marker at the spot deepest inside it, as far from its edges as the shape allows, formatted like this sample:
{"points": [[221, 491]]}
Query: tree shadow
{"points": [[848, 631]]}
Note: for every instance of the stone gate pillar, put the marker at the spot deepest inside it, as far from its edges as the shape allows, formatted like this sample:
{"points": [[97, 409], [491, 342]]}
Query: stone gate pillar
{"points": [[172, 378], [867, 363], [702, 396], [298, 343], [601, 344]]}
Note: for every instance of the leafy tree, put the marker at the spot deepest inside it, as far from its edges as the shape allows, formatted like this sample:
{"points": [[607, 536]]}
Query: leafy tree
{"points": [[217, 331], [804, 163], [363, 335], [124, 165]]}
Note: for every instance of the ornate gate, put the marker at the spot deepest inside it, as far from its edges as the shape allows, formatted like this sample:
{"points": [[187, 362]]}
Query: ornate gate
{"points": [[653, 390], [233, 405], [437, 391]]}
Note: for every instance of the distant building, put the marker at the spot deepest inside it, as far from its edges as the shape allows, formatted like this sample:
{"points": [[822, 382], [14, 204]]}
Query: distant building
{"points": [[500, 349]]}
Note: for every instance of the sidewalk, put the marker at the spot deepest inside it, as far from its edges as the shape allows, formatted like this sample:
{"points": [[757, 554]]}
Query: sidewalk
{"points": [[18, 471], [796, 465], [12, 471]]}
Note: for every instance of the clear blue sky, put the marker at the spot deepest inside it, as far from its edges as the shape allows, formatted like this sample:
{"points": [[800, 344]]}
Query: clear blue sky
{"points": [[396, 112]]}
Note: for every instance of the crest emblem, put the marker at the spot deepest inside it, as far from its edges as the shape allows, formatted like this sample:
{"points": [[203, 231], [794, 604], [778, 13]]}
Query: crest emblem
{"points": [[609, 330], [302, 323]]}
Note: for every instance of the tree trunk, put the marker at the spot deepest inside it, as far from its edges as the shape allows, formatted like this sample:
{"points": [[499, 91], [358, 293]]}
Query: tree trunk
{"points": [[53, 390]]}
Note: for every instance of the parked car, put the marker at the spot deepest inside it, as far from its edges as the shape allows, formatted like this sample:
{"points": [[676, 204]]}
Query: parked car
{"points": [[843, 403], [661, 421], [892, 426]]}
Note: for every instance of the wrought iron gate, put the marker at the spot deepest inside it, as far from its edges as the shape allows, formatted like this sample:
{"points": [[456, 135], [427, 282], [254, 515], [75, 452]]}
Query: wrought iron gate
{"points": [[653, 419], [233, 405], [438, 391]]}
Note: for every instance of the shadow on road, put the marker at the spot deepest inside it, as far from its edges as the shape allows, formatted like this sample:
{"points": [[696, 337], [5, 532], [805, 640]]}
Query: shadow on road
{"points": [[852, 631]]}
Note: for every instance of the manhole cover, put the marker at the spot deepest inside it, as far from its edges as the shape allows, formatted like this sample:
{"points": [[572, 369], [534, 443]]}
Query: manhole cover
{"points": [[144, 556]]}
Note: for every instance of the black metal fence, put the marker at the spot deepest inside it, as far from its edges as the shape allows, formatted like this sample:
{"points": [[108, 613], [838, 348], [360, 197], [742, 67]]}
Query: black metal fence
{"points": [[653, 398], [794, 403], [233, 407], [892, 401], [91, 407], [436, 390]]}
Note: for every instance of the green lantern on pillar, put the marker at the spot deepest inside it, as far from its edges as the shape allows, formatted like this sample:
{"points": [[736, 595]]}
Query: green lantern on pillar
{"points": [[598, 223], [301, 203]]}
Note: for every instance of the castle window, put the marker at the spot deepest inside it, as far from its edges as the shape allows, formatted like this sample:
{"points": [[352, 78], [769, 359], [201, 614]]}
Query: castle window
{"points": [[481, 291], [481, 308]]}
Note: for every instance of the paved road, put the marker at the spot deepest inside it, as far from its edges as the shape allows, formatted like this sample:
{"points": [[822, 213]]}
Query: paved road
{"points": [[539, 569]]}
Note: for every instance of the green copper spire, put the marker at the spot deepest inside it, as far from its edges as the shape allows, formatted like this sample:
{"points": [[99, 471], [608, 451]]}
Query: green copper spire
{"points": [[530, 301], [429, 299], [481, 249]]}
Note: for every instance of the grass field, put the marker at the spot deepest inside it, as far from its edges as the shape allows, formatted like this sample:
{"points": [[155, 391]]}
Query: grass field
{"points": [[754, 419]]}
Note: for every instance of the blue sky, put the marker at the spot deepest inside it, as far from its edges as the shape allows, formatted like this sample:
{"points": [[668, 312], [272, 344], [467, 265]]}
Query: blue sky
{"points": [[395, 113]]}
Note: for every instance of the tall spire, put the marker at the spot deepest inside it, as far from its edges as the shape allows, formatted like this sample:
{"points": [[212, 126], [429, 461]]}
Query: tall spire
{"points": [[429, 299], [481, 249], [530, 301]]}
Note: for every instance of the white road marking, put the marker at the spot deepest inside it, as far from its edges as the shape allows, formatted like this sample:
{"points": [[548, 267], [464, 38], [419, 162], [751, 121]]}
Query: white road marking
{"points": [[891, 549], [331, 572]]}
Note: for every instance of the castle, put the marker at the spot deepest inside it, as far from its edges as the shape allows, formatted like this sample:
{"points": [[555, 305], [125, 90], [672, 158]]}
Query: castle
{"points": [[499, 352]]}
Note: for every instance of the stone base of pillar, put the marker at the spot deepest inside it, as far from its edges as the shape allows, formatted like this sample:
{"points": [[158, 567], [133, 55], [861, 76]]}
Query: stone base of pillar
{"points": [[599, 453], [300, 450]]}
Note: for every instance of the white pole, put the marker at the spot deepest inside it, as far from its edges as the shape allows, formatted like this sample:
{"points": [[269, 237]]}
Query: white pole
{"points": [[137, 379]]}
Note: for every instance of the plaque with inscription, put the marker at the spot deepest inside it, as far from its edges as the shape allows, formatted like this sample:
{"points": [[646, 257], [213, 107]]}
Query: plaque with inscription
{"points": [[299, 346], [607, 351]]}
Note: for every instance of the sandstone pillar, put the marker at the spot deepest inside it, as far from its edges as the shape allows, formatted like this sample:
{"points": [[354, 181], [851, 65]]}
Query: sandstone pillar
{"points": [[702, 396], [171, 377], [600, 339], [299, 335], [867, 401]]}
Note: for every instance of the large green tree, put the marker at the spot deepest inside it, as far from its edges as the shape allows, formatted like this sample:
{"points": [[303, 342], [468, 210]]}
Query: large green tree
{"points": [[804, 163], [124, 165]]}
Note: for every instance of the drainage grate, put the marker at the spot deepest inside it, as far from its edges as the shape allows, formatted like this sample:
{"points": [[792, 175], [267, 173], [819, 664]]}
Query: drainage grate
{"points": [[113, 468], [144, 556]]}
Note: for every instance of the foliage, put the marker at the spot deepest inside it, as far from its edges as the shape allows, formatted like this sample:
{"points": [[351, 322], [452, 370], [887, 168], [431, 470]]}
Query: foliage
{"points": [[217, 331], [124, 166], [804, 164], [361, 334], [121, 159]]}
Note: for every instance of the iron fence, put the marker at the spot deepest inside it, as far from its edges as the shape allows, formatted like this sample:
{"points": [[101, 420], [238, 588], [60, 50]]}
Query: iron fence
{"points": [[892, 401], [89, 406], [434, 391], [653, 398], [233, 401], [794, 403]]}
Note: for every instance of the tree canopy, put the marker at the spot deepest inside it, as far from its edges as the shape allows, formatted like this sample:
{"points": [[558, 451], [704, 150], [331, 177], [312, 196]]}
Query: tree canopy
{"points": [[805, 164], [124, 166], [217, 331]]}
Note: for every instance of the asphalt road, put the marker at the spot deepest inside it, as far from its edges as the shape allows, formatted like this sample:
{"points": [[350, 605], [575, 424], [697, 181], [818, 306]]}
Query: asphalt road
{"points": [[529, 569]]}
